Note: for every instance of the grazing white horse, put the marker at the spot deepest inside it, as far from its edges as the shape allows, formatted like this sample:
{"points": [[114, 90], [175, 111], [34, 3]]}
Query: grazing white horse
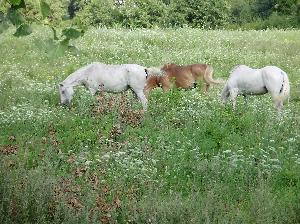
{"points": [[109, 78], [244, 80]]}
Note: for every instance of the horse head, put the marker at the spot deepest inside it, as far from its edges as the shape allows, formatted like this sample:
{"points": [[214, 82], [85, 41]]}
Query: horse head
{"points": [[66, 93]]}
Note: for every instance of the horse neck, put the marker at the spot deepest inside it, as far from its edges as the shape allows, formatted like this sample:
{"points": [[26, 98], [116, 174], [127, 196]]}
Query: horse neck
{"points": [[73, 81]]}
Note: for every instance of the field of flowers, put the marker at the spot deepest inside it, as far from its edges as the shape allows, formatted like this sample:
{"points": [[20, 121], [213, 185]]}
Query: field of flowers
{"points": [[189, 159]]}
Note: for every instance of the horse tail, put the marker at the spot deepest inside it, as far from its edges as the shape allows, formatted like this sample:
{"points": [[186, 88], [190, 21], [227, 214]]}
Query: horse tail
{"points": [[208, 76], [284, 92]]}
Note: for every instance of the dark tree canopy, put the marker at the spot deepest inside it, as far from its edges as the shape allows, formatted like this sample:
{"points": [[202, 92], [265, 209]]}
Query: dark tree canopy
{"points": [[248, 14]]}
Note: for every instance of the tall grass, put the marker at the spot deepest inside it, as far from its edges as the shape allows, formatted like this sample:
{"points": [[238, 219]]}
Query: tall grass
{"points": [[189, 159]]}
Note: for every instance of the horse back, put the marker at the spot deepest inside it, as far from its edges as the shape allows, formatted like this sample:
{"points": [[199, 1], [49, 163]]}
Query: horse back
{"points": [[198, 70], [247, 79]]}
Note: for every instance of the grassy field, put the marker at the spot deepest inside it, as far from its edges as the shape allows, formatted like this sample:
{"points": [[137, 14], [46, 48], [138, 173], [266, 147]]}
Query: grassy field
{"points": [[188, 160]]}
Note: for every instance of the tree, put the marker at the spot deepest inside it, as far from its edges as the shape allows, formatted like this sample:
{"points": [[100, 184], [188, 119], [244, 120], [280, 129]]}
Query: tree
{"points": [[207, 13], [143, 13], [264, 8], [97, 12], [18, 14], [73, 7]]}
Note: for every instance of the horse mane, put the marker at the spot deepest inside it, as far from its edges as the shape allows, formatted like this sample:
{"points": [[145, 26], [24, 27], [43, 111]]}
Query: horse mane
{"points": [[75, 77], [235, 68]]}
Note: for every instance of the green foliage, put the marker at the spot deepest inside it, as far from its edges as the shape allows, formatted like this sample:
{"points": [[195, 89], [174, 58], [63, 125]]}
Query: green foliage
{"points": [[15, 17], [143, 13], [97, 13], [241, 11], [3, 26], [23, 30], [71, 33], [276, 20], [264, 8], [176, 14], [154, 13], [21, 14], [135, 13], [16, 4], [45, 9], [54, 33], [207, 14], [256, 14], [287, 7]]}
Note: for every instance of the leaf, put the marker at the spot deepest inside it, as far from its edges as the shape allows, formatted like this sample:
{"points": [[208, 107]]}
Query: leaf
{"points": [[45, 8], [2, 17], [65, 17], [3, 23], [15, 17], [65, 42], [45, 45], [3, 26], [73, 50], [54, 33], [17, 4], [72, 33], [57, 50], [23, 30]]}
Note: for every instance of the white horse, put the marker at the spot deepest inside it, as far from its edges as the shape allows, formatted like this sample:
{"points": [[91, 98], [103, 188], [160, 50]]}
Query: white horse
{"points": [[109, 78], [244, 80]]}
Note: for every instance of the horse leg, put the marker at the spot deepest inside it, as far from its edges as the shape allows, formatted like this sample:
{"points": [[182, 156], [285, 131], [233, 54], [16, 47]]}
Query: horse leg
{"points": [[92, 91], [206, 87], [225, 94], [233, 94], [278, 104], [245, 99], [165, 84], [142, 98]]}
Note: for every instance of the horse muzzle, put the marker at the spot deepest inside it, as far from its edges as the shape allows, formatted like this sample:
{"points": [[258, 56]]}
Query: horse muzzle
{"points": [[66, 103]]}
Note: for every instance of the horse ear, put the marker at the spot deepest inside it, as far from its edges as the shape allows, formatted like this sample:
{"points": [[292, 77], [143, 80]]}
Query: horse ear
{"points": [[60, 84]]}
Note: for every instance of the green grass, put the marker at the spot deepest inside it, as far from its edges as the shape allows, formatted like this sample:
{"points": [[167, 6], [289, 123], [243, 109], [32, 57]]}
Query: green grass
{"points": [[188, 160]]}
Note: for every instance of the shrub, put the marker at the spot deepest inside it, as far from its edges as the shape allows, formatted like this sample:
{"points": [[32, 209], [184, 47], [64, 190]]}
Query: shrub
{"points": [[143, 13], [207, 14], [98, 13]]}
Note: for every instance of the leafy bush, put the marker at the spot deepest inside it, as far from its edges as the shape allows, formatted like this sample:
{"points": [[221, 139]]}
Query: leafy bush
{"points": [[207, 14], [155, 13], [97, 13], [143, 13], [256, 14], [280, 21], [248, 14]]}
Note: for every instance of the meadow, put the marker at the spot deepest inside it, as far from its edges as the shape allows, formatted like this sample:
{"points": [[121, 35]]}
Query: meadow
{"points": [[189, 159]]}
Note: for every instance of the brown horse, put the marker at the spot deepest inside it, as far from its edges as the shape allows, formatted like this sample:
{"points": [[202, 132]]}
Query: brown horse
{"points": [[185, 77]]}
